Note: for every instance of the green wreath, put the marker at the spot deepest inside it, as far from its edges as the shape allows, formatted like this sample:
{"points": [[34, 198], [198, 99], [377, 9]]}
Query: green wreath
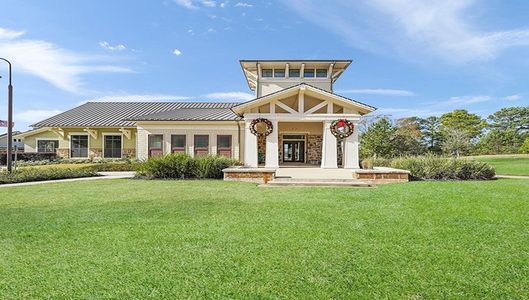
{"points": [[256, 122], [342, 128]]}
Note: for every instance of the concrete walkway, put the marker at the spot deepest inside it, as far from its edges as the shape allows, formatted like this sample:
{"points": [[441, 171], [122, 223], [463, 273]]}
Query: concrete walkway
{"points": [[103, 175], [512, 176]]}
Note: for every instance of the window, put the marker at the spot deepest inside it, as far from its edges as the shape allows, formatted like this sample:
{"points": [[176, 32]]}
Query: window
{"points": [[47, 146], [201, 145], [224, 145], [308, 73], [112, 146], [178, 143], [321, 73], [293, 73], [266, 72], [79, 146], [293, 137], [279, 73], [155, 145]]}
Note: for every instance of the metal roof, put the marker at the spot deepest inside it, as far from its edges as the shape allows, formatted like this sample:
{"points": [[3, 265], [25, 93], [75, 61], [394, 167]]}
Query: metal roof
{"points": [[191, 114], [121, 114]]}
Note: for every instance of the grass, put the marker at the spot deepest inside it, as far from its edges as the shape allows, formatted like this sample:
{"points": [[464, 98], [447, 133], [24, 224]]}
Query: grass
{"points": [[507, 164], [213, 239]]}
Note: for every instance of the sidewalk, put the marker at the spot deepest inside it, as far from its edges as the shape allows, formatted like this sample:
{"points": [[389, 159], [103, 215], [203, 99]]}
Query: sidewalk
{"points": [[512, 176], [103, 175]]}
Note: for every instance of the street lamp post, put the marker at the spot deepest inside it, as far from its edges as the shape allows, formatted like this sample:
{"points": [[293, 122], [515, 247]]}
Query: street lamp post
{"points": [[9, 119]]}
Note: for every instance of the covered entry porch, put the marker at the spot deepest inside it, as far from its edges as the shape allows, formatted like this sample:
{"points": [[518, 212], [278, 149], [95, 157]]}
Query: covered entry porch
{"points": [[304, 144]]}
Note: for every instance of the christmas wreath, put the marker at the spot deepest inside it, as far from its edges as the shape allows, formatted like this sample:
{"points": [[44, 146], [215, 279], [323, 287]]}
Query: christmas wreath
{"points": [[256, 123], [342, 128]]}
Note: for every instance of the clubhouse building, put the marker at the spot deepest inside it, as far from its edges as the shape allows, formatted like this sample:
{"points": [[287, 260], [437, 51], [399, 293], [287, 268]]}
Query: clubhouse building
{"points": [[295, 120]]}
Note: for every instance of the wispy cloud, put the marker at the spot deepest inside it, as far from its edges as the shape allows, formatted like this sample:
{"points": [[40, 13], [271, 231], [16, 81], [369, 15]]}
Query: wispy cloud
{"points": [[196, 4], [33, 116], [384, 92], [107, 46], [441, 29], [230, 96], [514, 97], [60, 67], [177, 52], [466, 100], [243, 4]]}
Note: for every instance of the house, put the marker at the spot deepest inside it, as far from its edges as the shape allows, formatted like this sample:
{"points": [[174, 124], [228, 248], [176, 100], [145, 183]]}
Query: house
{"points": [[295, 119], [17, 142]]}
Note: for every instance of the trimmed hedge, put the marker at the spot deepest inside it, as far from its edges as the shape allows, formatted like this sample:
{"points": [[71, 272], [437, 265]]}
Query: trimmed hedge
{"points": [[182, 166], [431, 167], [39, 174], [30, 157]]}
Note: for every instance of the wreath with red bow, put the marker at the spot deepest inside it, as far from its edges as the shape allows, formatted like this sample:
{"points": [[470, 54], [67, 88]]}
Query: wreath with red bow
{"points": [[342, 128], [266, 122]]}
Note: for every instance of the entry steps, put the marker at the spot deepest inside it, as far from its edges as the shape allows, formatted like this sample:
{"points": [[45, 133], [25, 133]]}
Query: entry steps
{"points": [[331, 182]]}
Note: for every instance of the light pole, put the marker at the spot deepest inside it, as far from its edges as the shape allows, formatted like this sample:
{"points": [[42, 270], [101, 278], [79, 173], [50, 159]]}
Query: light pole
{"points": [[9, 157]]}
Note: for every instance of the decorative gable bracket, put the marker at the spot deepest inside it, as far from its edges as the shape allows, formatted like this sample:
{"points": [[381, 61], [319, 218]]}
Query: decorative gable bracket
{"points": [[91, 132], [60, 132], [126, 132]]}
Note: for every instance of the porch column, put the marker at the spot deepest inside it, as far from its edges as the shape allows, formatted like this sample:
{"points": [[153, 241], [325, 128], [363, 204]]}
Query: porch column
{"points": [[250, 146], [329, 159], [351, 150], [272, 149]]}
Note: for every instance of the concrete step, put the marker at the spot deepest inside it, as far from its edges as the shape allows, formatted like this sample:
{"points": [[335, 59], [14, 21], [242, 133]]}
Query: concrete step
{"points": [[277, 182]]}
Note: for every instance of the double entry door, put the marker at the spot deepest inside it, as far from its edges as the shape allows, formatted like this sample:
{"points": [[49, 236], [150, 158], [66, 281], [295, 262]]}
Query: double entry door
{"points": [[293, 151]]}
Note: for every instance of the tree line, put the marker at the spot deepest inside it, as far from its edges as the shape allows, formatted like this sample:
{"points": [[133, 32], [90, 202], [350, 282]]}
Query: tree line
{"points": [[455, 133]]}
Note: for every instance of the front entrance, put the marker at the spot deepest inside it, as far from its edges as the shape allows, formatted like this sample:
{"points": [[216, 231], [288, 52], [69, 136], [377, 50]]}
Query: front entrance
{"points": [[294, 151]]}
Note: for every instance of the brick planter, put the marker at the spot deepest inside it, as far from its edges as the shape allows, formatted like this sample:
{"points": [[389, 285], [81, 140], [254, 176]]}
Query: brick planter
{"points": [[257, 175], [382, 175]]}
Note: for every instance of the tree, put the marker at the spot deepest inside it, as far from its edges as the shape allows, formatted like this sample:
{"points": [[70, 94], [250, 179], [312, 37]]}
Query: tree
{"points": [[499, 141], [431, 133], [525, 146], [516, 118], [378, 139], [408, 137], [460, 119], [456, 142]]}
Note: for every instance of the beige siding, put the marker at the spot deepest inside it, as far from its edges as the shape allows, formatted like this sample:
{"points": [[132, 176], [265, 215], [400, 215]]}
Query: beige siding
{"points": [[190, 129]]}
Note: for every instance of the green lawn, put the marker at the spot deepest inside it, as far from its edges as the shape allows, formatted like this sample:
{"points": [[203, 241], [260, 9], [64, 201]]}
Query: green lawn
{"points": [[134, 239], [508, 164]]}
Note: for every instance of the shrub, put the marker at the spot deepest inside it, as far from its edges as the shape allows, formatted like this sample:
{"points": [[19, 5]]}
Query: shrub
{"points": [[182, 166], [30, 157], [525, 146], [431, 167], [39, 174], [212, 166]]}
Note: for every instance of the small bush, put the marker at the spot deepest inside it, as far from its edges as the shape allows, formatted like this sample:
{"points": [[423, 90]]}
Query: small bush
{"points": [[28, 157], [182, 166], [39, 174], [431, 167]]}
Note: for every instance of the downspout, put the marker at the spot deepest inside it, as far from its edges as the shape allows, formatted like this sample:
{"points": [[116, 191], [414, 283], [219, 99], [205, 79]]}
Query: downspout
{"points": [[239, 138]]}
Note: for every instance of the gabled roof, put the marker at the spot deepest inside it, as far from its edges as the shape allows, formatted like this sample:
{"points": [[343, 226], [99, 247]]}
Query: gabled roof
{"points": [[121, 114], [191, 114], [365, 108]]}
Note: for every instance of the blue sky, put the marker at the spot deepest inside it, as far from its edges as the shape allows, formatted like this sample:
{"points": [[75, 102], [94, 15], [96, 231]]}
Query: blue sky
{"points": [[415, 57]]}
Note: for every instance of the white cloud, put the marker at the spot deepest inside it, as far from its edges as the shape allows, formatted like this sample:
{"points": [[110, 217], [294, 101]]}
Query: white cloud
{"points": [[189, 4], [466, 100], [6, 34], [243, 4], [177, 52], [223, 4], [107, 46], [209, 3], [230, 96], [440, 29], [58, 66], [211, 30], [196, 4], [514, 97], [384, 92], [32, 116]]}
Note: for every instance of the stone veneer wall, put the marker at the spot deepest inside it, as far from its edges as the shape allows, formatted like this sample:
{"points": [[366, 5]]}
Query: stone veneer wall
{"points": [[129, 153], [314, 147], [261, 149], [63, 152]]}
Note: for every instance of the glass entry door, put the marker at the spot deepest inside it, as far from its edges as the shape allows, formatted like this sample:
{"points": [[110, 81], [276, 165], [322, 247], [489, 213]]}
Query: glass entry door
{"points": [[293, 151]]}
